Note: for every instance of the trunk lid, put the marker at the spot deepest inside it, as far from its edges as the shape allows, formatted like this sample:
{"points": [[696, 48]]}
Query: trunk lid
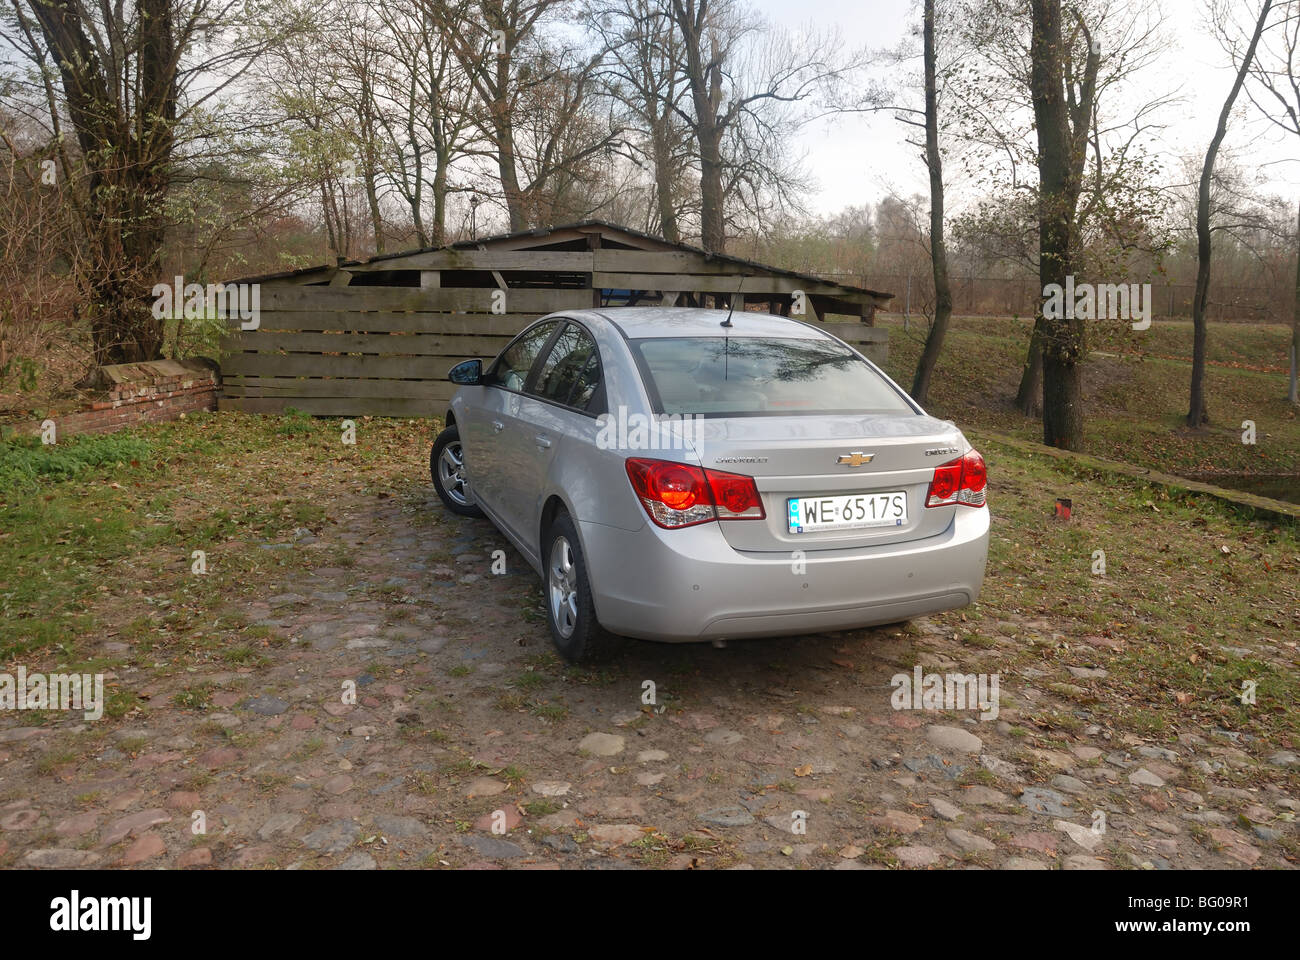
{"points": [[799, 457]]}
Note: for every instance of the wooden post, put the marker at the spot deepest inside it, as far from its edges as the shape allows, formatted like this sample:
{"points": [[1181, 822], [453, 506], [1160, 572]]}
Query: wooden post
{"points": [[496, 274], [593, 244]]}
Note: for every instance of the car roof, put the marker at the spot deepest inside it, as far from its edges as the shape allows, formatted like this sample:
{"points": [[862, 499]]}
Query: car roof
{"points": [[642, 322]]}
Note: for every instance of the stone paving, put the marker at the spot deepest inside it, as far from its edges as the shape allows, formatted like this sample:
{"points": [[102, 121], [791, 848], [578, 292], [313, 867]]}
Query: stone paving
{"points": [[468, 744]]}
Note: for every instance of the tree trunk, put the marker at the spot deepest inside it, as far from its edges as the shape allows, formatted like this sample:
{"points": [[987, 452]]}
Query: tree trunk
{"points": [[330, 213], [439, 225], [126, 235], [415, 197], [127, 152], [1062, 337], [505, 137], [376, 216], [1063, 351], [1197, 414], [705, 80], [938, 246], [1029, 396], [713, 231], [1070, 141], [367, 128], [510, 180], [1295, 325], [664, 180]]}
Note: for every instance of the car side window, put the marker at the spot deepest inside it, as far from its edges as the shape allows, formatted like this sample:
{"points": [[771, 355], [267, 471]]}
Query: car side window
{"points": [[513, 366], [570, 374]]}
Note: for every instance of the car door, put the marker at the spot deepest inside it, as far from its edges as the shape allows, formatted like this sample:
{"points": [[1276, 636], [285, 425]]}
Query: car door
{"points": [[559, 404], [485, 448]]}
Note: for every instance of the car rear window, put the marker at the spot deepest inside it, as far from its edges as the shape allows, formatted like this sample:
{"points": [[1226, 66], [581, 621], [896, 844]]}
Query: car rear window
{"points": [[752, 376]]}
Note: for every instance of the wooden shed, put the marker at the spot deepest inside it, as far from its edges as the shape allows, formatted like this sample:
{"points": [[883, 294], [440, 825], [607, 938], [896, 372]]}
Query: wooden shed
{"points": [[376, 337]]}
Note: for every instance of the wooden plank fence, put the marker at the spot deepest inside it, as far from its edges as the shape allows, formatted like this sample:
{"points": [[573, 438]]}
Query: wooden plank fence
{"points": [[386, 363], [331, 343], [386, 356]]}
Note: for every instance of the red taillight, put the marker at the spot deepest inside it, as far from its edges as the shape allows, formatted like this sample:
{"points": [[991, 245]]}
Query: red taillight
{"points": [[959, 481], [943, 488], [678, 487], [735, 496], [680, 495]]}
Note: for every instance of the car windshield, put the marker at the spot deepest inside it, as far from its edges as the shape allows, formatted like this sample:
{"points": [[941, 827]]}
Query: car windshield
{"points": [[753, 376]]}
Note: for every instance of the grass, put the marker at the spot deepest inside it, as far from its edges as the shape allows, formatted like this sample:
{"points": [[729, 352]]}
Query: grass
{"points": [[25, 461], [1167, 611], [94, 527], [193, 698], [1135, 388]]}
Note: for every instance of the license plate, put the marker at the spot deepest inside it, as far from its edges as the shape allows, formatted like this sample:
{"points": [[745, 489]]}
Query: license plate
{"points": [[847, 512]]}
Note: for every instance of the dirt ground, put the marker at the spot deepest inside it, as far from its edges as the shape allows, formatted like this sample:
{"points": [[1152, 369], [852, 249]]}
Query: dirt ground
{"points": [[470, 744]]}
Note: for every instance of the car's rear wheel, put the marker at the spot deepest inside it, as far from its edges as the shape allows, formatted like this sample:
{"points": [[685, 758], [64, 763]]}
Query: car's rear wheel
{"points": [[570, 611], [447, 468]]}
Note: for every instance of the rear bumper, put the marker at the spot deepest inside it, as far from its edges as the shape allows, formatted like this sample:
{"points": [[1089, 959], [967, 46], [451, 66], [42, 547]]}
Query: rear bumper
{"points": [[688, 585]]}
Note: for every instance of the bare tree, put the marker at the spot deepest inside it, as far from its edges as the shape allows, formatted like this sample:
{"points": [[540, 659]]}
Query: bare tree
{"points": [[125, 78], [1275, 91], [40, 273], [565, 139], [314, 130], [357, 56], [938, 246], [516, 70], [735, 68], [1061, 116], [1197, 414], [427, 120], [645, 72], [1106, 46], [764, 178], [1063, 109]]}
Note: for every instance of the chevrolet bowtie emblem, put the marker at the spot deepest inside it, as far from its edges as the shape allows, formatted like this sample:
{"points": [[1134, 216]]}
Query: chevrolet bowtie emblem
{"points": [[856, 459]]}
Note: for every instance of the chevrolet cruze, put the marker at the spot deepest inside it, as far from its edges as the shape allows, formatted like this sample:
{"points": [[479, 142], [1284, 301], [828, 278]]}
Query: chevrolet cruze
{"points": [[689, 475]]}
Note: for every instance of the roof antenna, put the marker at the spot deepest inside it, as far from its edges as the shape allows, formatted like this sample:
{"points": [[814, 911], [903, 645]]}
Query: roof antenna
{"points": [[731, 303]]}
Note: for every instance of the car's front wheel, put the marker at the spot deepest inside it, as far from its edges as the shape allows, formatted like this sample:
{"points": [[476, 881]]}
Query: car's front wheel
{"points": [[570, 611], [447, 467]]}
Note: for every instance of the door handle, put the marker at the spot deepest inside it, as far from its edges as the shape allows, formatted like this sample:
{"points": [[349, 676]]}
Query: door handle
{"points": [[497, 426], [543, 441]]}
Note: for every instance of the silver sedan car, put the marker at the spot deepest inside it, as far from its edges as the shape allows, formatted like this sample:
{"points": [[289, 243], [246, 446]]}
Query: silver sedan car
{"points": [[689, 475]]}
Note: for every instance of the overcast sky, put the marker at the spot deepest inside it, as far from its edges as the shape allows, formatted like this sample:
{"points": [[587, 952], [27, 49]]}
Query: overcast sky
{"points": [[861, 159]]}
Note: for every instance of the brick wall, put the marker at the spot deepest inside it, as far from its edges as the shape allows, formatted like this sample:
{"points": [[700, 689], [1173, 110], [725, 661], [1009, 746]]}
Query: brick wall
{"points": [[136, 393]]}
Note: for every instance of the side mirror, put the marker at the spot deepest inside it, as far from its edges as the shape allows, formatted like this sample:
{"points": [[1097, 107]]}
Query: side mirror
{"points": [[466, 372]]}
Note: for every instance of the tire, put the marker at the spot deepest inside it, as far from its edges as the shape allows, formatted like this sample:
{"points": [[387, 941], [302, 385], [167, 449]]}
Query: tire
{"points": [[447, 469], [570, 611]]}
